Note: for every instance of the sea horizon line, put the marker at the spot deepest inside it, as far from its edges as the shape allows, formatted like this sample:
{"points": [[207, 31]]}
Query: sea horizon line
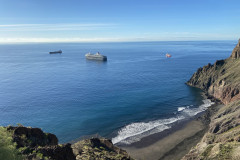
{"points": [[127, 41]]}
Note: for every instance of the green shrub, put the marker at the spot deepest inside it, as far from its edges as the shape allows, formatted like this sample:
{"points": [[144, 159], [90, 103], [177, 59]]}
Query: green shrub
{"points": [[225, 151], [19, 125], [207, 151], [8, 149], [40, 155]]}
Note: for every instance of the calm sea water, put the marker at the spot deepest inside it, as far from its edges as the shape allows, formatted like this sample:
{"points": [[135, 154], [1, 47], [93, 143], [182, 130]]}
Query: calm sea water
{"points": [[137, 92]]}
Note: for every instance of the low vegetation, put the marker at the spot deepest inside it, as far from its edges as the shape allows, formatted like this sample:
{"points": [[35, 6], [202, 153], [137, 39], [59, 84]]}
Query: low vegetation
{"points": [[8, 149], [18, 143]]}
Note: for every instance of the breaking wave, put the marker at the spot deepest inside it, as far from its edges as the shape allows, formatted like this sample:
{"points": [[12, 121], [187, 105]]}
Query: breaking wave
{"points": [[194, 111], [136, 131], [181, 109]]}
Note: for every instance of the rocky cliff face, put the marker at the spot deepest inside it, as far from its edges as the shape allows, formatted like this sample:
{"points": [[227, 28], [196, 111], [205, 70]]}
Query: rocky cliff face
{"points": [[98, 149], [34, 144], [236, 51], [222, 141], [221, 81]]}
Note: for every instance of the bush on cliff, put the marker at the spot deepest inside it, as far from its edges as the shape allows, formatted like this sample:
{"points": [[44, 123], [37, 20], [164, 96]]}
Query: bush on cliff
{"points": [[8, 149]]}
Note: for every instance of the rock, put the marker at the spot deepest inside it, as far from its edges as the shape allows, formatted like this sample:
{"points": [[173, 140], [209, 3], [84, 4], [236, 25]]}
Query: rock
{"points": [[221, 81], [236, 51], [26, 136], [97, 149], [58, 152], [223, 136], [34, 144], [219, 63]]}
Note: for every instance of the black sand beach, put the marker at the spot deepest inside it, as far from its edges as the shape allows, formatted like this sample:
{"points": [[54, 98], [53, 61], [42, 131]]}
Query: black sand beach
{"points": [[173, 143]]}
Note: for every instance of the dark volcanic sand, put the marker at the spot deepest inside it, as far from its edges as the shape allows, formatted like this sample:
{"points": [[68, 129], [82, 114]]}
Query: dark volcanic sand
{"points": [[173, 143]]}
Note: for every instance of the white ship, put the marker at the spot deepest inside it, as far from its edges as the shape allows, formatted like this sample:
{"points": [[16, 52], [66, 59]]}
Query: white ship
{"points": [[96, 56]]}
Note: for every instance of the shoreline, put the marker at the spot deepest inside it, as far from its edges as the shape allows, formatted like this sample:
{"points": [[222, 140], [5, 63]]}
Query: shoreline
{"points": [[174, 142]]}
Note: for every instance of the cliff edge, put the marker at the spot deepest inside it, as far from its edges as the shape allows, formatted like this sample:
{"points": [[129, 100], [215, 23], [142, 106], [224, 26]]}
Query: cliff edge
{"points": [[221, 81], [26, 143]]}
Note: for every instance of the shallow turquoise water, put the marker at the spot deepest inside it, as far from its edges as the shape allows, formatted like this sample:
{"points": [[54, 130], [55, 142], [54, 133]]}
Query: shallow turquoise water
{"points": [[137, 92]]}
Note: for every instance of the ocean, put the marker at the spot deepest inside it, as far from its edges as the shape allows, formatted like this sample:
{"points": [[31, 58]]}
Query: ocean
{"points": [[136, 93]]}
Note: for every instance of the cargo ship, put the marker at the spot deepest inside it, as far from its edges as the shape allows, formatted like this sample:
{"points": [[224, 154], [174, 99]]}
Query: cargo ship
{"points": [[54, 52]]}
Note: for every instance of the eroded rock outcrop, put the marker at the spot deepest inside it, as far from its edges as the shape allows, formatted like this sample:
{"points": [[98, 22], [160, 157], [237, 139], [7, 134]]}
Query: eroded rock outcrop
{"points": [[27, 136], [34, 144], [97, 149], [236, 51]]}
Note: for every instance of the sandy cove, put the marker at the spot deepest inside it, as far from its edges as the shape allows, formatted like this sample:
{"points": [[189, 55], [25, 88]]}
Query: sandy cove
{"points": [[174, 143]]}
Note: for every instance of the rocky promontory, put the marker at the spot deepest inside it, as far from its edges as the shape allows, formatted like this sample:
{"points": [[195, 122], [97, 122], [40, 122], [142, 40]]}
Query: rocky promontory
{"points": [[220, 81], [26, 143]]}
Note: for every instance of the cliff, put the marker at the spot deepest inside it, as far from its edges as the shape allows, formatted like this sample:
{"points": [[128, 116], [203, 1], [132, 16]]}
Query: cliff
{"points": [[26, 143], [220, 81]]}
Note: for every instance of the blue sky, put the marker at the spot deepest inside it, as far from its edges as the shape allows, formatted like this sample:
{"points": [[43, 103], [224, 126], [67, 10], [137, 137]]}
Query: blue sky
{"points": [[118, 20]]}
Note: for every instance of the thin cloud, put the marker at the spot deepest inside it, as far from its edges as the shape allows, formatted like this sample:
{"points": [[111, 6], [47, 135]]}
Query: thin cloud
{"points": [[26, 40], [55, 27], [69, 40]]}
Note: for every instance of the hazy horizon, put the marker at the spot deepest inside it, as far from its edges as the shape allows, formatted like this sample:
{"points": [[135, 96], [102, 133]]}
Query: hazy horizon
{"points": [[89, 42]]}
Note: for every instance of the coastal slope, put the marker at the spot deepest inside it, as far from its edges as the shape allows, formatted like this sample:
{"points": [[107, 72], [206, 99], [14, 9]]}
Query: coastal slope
{"points": [[221, 81], [18, 143]]}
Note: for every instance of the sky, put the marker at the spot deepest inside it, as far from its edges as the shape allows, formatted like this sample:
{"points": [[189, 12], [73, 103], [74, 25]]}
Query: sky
{"points": [[118, 20]]}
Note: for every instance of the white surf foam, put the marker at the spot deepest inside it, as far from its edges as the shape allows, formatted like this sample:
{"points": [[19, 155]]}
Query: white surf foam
{"points": [[136, 131], [181, 109], [194, 111]]}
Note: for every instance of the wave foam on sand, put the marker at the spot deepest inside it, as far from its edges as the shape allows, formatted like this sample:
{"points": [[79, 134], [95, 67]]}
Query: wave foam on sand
{"points": [[136, 131]]}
